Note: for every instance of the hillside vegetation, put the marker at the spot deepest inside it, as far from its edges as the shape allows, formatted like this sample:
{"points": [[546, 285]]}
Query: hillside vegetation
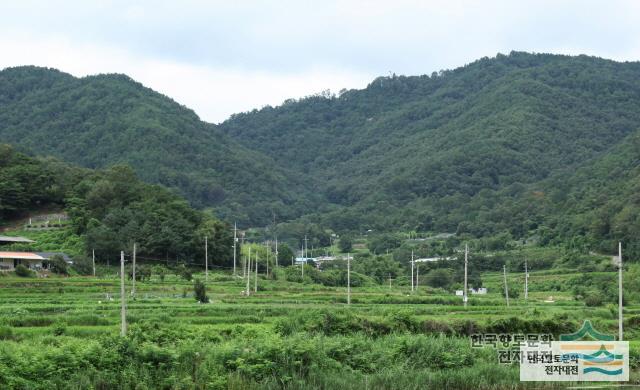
{"points": [[532, 145], [99, 121], [111, 209]]}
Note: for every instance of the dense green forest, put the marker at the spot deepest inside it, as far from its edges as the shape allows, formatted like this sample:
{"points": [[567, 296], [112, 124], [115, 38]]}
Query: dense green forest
{"points": [[112, 209], [103, 120], [533, 145], [536, 146]]}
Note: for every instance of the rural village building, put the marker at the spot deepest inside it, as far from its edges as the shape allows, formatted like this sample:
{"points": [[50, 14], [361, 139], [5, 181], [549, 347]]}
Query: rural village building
{"points": [[9, 260]]}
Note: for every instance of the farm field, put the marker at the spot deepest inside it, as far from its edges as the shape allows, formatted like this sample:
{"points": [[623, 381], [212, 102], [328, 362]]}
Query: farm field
{"points": [[64, 332]]}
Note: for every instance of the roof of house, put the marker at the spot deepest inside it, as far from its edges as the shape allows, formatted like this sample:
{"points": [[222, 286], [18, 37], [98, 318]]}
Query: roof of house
{"points": [[12, 240], [430, 259], [49, 255], [20, 256]]}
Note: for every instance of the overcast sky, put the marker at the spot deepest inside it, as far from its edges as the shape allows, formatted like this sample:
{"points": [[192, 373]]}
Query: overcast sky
{"points": [[222, 57]]}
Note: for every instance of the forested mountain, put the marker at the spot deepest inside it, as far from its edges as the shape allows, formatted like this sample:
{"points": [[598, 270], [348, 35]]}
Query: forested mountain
{"points": [[536, 145], [512, 143], [102, 120]]}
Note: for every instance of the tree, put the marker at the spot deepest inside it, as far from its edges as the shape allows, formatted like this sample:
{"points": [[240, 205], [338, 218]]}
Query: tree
{"points": [[143, 272], [345, 244], [58, 265], [384, 242], [514, 290], [200, 291], [83, 265], [439, 278], [474, 279], [284, 254], [379, 267]]}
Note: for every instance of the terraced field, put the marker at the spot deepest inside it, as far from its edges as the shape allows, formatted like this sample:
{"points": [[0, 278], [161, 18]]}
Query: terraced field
{"points": [[64, 333]]}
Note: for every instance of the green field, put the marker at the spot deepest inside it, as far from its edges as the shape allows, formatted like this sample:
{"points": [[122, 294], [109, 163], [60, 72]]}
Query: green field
{"points": [[64, 333]]}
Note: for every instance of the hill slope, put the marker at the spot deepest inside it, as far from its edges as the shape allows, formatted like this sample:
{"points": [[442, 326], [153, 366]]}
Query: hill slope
{"points": [[101, 120], [457, 147], [109, 210]]}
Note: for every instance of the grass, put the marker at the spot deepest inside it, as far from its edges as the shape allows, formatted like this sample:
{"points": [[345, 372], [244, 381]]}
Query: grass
{"points": [[63, 333]]}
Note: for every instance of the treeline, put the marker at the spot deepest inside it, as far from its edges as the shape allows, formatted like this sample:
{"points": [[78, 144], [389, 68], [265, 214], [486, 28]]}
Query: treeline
{"points": [[112, 209]]}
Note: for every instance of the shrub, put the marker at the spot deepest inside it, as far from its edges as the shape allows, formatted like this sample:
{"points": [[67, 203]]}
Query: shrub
{"points": [[185, 272], [160, 271], [200, 291], [59, 329], [436, 352], [6, 333], [23, 271], [83, 265], [593, 299], [29, 321], [514, 291], [143, 272]]}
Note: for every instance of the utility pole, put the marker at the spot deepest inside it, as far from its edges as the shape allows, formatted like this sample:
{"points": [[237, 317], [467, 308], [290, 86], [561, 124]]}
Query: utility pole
{"points": [[411, 271], [133, 282], [93, 258], [348, 279], [206, 259], [235, 240], [389, 281], [304, 259], [123, 305], [526, 280], [620, 291], [255, 279], [244, 264], [268, 250], [506, 289], [247, 289], [249, 265], [306, 247], [417, 276], [275, 235], [465, 297]]}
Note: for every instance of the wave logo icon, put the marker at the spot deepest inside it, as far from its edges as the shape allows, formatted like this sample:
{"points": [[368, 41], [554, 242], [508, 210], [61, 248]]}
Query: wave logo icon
{"points": [[600, 362]]}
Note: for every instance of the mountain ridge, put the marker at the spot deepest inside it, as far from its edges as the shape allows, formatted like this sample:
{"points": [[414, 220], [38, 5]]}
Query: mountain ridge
{"points": [[458, 150], [97, 121]]}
